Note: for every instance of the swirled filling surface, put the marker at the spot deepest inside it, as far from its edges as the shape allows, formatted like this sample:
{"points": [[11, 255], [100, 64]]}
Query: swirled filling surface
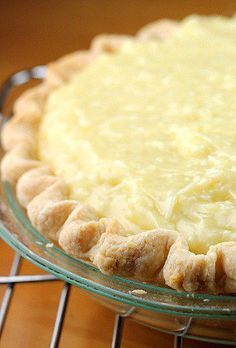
{"points": [[147, 135]]}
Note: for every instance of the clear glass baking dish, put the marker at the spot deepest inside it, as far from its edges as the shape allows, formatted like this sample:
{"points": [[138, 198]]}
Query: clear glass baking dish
{"points": [[201, 316]]}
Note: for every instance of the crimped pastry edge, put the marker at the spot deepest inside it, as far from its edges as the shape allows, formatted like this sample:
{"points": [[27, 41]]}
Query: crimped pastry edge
{"points": [[157, 255]]}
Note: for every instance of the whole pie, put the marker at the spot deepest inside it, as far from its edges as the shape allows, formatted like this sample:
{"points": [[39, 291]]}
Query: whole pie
{"points": [[126, 154]]}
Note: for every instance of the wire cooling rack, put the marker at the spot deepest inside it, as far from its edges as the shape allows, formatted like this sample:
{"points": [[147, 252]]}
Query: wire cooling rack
{"points": [[13, 278]]}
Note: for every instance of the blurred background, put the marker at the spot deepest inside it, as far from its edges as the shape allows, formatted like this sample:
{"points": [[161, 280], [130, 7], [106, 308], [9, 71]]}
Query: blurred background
{"points": [[36, 32]]}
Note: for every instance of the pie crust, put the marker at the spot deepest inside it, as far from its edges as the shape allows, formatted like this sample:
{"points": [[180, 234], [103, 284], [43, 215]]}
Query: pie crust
{"points": [[155, 255]]}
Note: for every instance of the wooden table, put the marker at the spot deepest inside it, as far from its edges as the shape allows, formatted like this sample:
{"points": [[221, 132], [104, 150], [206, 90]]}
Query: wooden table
{"points": [[35, 32]]}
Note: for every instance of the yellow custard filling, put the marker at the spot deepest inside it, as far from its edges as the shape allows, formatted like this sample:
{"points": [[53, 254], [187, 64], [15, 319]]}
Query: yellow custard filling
{"points": [[147, 135]]}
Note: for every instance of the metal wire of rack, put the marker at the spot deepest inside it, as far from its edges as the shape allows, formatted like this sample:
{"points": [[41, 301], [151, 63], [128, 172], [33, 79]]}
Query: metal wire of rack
{"points": [[13, 278]]}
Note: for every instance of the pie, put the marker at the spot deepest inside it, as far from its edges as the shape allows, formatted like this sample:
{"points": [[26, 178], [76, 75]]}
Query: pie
{"points": [[125, 154]]}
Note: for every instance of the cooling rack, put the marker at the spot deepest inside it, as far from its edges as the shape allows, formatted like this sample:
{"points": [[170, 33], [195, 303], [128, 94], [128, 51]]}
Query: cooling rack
{"points": [[13, 279]]}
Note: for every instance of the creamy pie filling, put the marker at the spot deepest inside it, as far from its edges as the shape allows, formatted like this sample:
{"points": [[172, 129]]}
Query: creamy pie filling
{"points": [[147, 135]]}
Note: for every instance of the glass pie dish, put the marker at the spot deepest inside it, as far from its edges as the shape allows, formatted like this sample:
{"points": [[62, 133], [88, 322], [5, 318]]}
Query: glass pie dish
{"points": [[201, 316]]}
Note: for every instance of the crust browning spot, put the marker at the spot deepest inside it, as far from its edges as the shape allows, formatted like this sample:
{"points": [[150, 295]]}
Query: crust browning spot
{"points": [[108, 43]]}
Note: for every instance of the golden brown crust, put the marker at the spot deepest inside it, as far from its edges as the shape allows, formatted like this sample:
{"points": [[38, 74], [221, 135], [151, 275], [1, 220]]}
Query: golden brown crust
{"points": [[61, 70], [32, 183], [17, 161], [143, 255], [49, 210], [150, 255], [108, 43], [161, 29]]}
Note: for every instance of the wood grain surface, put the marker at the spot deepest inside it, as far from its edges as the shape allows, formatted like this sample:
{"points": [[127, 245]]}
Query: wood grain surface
{"points": [[36, 32]]}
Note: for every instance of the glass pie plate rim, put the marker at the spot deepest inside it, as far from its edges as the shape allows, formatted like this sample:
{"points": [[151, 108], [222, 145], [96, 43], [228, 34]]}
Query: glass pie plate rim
{"points": [[31, 244], [35, 247]]}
